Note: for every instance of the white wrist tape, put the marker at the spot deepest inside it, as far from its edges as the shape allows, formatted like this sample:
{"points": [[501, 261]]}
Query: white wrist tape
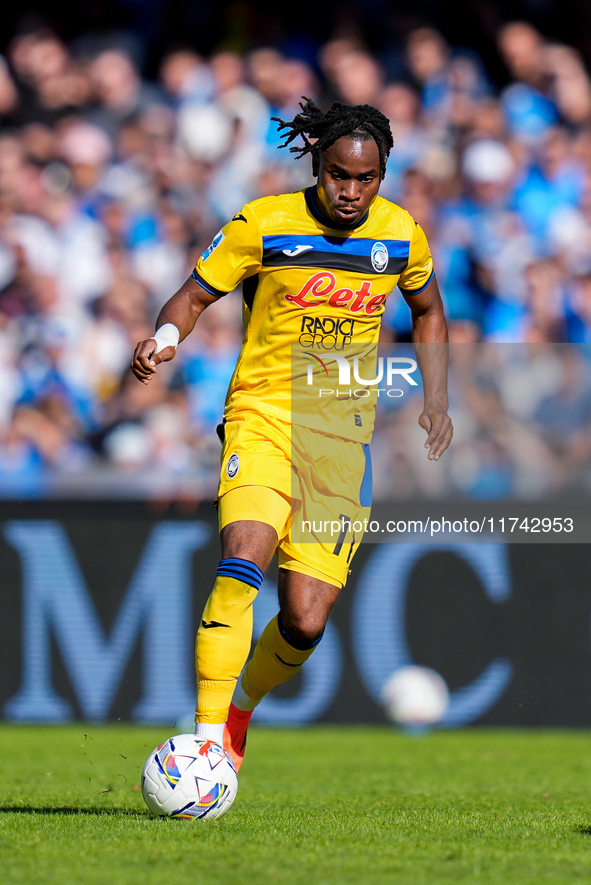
{"points": [[165, 336]]}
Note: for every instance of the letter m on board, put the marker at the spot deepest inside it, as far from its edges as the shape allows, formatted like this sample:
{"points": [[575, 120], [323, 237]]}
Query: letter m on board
{"points": [[157, 605]]}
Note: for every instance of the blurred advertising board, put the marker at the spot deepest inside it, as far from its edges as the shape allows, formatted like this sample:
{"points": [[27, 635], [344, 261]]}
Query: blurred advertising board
{"points": [[100, 604]]}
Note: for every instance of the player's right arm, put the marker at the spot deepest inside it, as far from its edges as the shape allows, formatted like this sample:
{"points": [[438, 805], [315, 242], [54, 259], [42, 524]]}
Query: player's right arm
{"points": [[234, 254], [182, 312]]}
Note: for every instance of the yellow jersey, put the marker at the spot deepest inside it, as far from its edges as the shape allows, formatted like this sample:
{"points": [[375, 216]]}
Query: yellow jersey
{"points": [[311, 291]]}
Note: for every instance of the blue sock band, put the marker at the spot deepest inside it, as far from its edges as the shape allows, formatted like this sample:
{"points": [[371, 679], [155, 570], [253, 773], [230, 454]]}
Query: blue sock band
{"points": [[295, 643], [242, 570]]}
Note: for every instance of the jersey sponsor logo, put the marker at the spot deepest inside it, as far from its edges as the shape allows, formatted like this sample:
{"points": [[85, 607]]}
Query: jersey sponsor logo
{"points": [[233, 465], [326, 333], [379, 257], [322, 288], [219, 238], [297, 250]]}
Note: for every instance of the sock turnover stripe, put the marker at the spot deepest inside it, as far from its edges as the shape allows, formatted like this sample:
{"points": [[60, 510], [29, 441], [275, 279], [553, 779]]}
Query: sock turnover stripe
{"points": [[245, 563], [246, 578], [242, 570], [237, 570]]}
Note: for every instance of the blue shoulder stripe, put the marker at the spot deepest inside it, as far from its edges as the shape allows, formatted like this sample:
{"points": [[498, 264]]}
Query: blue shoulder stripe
{"points": [[358, 246]]}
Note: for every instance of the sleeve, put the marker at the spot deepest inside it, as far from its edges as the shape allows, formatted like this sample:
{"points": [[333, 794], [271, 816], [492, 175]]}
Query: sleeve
{"points": [[419, 270], [234, 254]]}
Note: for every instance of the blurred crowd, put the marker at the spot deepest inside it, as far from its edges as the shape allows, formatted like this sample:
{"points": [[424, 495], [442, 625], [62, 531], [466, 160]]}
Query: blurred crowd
{"points": [[112, 185], [522, 428]]}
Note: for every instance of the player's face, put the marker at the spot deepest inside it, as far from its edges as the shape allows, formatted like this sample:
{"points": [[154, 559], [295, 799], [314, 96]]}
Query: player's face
{"points": [[348, 179]]}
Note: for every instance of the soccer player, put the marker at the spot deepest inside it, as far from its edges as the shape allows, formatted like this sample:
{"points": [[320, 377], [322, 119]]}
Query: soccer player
{"points": [[313, 264]]}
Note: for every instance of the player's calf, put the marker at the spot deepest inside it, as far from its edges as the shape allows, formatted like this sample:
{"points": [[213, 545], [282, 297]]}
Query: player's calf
{"points": [[275, 660]]}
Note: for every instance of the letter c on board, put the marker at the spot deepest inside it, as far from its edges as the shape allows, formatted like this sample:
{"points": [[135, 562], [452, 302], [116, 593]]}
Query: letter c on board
{"points": [[379, 639]]}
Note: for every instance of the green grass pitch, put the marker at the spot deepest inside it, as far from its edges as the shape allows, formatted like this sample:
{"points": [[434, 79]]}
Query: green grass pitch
{"points": [[318, 805]]}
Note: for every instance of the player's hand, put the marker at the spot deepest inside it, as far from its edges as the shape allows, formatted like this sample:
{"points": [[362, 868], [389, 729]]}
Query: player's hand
{"points": [[439, 429], [145, 361]]}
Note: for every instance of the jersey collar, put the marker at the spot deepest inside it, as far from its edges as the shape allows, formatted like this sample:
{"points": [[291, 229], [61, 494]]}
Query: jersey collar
{"points": [[319, 214]]}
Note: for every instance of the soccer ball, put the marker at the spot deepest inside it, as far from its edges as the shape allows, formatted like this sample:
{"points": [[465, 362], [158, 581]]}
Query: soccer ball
{"points": [[415, 697], [188, 777]]}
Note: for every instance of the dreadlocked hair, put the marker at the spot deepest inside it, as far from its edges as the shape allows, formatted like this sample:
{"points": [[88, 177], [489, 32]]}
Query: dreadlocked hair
{"points": [[361, 120]]}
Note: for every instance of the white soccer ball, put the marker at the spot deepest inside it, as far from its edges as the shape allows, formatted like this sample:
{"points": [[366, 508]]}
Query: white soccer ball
{"points": [[415, 697], [190, 778]]}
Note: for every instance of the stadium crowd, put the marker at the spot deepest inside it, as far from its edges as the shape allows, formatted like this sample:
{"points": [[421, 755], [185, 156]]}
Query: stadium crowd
{"points": [[111, 185]]}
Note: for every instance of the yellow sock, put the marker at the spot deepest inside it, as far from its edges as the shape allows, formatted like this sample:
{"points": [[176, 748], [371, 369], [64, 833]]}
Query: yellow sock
{"points": [[274, 662], [223, 640]]}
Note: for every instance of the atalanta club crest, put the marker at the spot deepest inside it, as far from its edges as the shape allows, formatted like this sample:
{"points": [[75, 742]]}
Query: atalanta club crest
{"points": [[233, 465], [379, 257]]}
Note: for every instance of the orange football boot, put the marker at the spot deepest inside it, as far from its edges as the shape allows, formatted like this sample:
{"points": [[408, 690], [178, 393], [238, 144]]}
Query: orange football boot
{"points": [[235, 734]]}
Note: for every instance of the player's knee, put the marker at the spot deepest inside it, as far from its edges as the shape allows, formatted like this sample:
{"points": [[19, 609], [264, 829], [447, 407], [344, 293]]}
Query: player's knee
{"points": [[301, 630], [249, 540]]}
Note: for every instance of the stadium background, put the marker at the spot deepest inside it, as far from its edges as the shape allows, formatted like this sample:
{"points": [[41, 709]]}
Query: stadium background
{"points": [[129, 133]]}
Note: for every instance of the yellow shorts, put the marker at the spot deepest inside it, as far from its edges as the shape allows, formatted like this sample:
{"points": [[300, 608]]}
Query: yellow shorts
{"points": [[314, 489]]}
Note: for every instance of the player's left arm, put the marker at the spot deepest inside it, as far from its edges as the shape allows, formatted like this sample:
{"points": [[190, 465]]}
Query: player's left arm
{"points": [[431, 341]]}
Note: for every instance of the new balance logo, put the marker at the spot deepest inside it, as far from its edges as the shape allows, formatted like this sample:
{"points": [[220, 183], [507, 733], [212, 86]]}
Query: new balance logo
{"points": [[206, 626], [297, 251]]}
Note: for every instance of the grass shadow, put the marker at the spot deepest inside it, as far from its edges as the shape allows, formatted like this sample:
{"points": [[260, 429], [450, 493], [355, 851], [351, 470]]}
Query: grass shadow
{"points": [[68, 809], [584, 831]]}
